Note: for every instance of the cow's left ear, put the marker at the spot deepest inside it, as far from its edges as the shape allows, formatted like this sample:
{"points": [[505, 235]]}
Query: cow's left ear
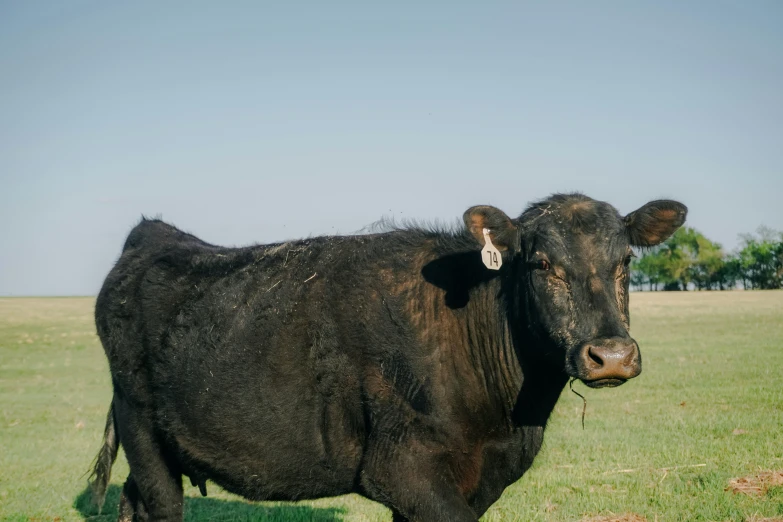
{"points": [[502, 231], [653, 223]]}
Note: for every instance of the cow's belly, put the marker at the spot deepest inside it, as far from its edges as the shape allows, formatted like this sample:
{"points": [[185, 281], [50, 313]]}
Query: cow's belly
{"points": [[274, 457], [266, 423]]}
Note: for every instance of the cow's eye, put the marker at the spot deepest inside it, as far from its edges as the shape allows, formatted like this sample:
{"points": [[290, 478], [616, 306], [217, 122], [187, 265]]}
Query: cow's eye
{"points": [[541, 264], [627, 260]]}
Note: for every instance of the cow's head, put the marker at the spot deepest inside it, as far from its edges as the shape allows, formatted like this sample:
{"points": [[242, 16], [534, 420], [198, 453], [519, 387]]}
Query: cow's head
{"points": [[566, 259]]}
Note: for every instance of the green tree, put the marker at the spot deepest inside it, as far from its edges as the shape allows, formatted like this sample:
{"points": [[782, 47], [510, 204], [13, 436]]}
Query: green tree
{"points": [[689, 259], [686, 258], [707, 263], [679, 256], [729, 274], [648, 269], [761, 259]]}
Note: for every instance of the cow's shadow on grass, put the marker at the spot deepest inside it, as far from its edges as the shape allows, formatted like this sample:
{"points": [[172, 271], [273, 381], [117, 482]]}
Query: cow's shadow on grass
{"points": [[212, 509]]}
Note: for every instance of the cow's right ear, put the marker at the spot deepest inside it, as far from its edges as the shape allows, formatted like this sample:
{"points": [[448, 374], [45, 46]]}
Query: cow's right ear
{"points": [[502, 231]]}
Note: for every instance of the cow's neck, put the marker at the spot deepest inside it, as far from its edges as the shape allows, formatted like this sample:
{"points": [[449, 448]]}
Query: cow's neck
{"points": [[489, 346], [462, 307], [502, 350], [529, 388]]}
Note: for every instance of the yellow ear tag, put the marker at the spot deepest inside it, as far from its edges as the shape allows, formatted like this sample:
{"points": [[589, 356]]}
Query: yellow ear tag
{"points": [[489, 254]]}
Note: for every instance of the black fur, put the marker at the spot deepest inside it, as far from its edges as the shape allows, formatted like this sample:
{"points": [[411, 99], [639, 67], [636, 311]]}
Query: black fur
{"points": [[392, 364]]}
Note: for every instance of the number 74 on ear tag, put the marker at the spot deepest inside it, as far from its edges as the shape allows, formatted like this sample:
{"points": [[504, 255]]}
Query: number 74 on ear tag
{"points": [[489, 254]]}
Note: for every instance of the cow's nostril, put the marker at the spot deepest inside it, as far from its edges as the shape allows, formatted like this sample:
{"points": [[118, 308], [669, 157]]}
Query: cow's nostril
{"points": [[597, 359], [630, 358]]}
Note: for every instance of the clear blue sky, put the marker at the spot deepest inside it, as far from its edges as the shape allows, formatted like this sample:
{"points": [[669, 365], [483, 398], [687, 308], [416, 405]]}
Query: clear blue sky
{"points": [[249, 122]]}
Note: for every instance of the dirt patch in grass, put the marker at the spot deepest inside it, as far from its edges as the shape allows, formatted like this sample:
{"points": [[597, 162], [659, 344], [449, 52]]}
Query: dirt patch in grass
{"points": [[756, 485], [625, 517], [754, 518]]}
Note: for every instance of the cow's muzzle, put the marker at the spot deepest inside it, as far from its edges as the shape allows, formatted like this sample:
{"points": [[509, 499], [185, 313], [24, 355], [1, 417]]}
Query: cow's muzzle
{"points": [[609, 362]]}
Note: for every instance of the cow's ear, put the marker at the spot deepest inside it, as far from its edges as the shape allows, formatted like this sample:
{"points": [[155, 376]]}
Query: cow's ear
{"points": [[655, 222], [502, 231]]}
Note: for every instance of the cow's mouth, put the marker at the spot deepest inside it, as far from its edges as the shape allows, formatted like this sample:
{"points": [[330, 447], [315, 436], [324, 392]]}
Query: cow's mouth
{"points": [[604, 383]]}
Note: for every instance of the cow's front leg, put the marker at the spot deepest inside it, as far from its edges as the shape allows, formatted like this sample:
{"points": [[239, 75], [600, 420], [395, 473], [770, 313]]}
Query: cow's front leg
{"points": [[410, 474]]}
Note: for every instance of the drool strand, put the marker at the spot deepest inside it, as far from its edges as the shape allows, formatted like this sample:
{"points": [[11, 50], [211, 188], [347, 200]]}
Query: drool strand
{"points": [[584, 401]]}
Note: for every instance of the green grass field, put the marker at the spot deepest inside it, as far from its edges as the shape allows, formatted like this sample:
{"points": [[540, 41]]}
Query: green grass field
{"points": [[707, 409]]}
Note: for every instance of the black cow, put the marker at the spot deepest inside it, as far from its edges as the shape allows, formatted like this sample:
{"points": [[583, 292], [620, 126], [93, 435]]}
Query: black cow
{"points": [[397, 365]]}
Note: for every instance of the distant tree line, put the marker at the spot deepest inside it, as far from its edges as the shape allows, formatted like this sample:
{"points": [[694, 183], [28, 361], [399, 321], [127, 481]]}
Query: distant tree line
{"points": [[688, 260]]}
